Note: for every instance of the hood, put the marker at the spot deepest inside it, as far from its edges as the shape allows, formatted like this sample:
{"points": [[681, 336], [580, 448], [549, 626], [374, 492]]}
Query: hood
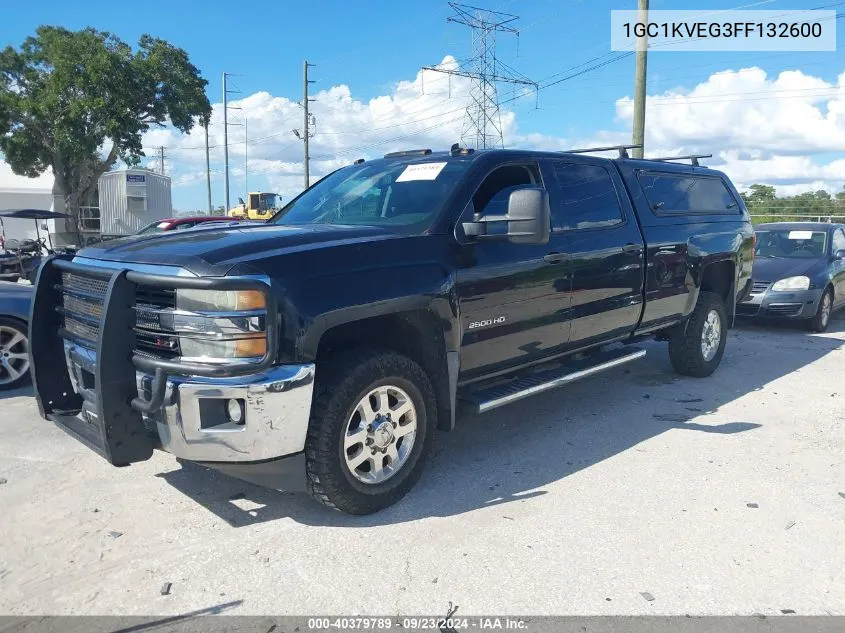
{"points": [[773, 268], [214, 250]]}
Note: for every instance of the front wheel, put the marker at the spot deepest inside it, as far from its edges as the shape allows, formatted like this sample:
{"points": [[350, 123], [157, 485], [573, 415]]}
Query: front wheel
{"points": [[819, 322], [372, 425], [697, 349], [14, 354]]}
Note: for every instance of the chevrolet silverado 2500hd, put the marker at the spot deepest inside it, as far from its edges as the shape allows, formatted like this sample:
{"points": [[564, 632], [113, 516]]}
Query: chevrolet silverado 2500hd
{"points": [[321, 350]]}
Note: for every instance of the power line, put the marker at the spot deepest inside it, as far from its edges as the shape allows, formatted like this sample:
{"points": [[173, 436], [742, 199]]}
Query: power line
{"points": [[483, 126]]}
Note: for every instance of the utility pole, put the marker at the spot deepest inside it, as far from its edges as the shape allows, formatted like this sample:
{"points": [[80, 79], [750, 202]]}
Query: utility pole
{"points": [[640, 82], [207, 169], [225, 144], [483, 124], [246, 159], [226, 124], [309, 123]]}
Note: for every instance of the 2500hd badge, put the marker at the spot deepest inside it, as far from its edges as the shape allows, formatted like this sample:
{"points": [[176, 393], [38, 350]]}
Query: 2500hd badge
{"points": [[477, 324]]}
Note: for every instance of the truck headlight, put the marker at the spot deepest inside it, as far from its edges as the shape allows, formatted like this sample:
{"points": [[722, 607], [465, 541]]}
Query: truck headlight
{"points": [[220, 325], [219, 300], [223, 349], [792, 283]]}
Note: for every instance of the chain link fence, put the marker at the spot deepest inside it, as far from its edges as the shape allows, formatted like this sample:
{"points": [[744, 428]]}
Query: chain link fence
{"points": [[782, 217]]}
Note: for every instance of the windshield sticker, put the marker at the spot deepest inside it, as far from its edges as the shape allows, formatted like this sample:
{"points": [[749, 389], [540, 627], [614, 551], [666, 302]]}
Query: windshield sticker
{"points": [[421, 171], [800, 235], [163, 225]]}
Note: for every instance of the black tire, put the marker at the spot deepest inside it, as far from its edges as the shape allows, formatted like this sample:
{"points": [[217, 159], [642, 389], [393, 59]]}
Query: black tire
{"points": [[341, 384], [820, 322], [12, 325], [685, 344]]}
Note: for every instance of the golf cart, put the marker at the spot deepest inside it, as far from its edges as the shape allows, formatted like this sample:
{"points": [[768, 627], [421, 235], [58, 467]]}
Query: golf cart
{"points": [[21, 258]]}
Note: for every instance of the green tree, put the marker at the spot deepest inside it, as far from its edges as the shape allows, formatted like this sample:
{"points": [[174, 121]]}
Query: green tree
{"points": [[765, 206], [761, 193], [77, 102]]}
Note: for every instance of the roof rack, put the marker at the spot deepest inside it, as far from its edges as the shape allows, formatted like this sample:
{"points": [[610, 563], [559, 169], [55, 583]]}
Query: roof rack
{"points": [[693, 158], [408, 152], [622, 149]]}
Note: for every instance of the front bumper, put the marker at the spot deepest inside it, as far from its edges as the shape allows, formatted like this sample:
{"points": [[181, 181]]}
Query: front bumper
{"points": [[801, 304], [124, 406], [192, 423]]}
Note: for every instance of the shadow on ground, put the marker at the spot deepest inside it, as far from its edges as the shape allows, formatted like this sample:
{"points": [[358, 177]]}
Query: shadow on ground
{"points": [[512, 453], [21, 392], [185, 622]]}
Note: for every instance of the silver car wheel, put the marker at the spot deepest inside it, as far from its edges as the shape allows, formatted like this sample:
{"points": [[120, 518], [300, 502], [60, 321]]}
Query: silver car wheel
{"points": [[711, 335], [379, 435], [825, 315], [14, 354]]}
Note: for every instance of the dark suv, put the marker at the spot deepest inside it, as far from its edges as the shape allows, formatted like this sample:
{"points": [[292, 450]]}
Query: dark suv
{"points": [[323, 349]]}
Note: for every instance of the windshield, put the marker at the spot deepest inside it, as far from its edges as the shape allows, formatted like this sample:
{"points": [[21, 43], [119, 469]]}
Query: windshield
{"points": [[395, 194], [155, 227], [796, 244], [268, 201]]}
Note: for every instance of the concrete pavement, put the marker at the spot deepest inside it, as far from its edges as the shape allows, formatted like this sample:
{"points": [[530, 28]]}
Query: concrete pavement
{"points": [[717, 496]]}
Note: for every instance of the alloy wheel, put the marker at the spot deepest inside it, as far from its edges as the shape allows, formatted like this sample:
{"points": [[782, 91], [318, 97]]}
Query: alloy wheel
{"points": [[711, 335], [14, 354], [379, 435]]}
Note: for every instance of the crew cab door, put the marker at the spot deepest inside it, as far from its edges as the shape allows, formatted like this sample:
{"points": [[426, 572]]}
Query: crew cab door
{"points": [[513, 297], [604, 247]]}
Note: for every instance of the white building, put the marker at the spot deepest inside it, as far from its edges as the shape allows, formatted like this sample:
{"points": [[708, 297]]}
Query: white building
{"points": [[19, 192]]}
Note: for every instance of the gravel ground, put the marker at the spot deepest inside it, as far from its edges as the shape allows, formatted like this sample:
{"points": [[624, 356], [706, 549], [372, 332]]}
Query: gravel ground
{"points": [[635, 492]]}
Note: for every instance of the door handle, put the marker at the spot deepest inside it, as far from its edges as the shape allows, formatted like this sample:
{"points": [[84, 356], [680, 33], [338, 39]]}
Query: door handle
{"points": [[632, 248], [555, 258]]}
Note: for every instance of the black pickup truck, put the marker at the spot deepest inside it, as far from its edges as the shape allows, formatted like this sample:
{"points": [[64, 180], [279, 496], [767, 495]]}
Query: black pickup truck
{"points": [[321, 350]]}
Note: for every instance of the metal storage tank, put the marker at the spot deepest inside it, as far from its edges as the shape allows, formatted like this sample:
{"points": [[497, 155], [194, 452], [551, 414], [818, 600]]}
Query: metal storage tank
{"points": [[132, 198]]}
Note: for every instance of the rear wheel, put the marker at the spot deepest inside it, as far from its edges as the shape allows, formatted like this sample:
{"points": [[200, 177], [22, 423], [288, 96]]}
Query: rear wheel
{"points": [[820, 322], [697, 349], [372, 425], [14, 354]]}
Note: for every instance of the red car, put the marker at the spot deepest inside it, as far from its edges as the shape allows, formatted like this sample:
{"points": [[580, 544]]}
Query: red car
{"points": [[178, 224]]}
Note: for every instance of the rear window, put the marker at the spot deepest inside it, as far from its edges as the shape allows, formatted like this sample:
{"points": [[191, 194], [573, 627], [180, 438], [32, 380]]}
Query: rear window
{"points": [[670, 194]]}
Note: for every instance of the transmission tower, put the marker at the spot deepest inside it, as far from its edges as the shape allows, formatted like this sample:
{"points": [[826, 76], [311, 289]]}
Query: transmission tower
{"points": [[483, 124]]}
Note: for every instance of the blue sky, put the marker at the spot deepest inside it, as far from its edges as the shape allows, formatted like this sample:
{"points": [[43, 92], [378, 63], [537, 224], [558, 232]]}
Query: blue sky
{"points": [[370, 46]]}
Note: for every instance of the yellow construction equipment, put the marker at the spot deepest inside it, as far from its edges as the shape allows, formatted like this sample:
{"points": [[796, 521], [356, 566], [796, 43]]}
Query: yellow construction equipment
{"points": [[261, 206]]}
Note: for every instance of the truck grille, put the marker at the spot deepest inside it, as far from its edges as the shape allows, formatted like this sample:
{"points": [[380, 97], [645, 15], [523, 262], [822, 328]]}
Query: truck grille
{"points": [[82, 307]]}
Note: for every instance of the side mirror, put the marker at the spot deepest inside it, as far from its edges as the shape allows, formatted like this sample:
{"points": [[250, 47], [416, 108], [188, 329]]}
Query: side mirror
{"points": [[528, 218], [840, 254]]}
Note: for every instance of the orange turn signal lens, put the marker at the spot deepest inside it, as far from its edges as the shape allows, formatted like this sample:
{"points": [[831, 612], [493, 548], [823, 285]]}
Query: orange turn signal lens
{"points": [[250, 300], [251, 347]]}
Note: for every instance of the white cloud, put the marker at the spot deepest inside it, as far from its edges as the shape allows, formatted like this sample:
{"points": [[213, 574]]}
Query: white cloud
{"points": [[426, 112], [760, 129], [773, 130], [792, 113], [796, 170]]}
